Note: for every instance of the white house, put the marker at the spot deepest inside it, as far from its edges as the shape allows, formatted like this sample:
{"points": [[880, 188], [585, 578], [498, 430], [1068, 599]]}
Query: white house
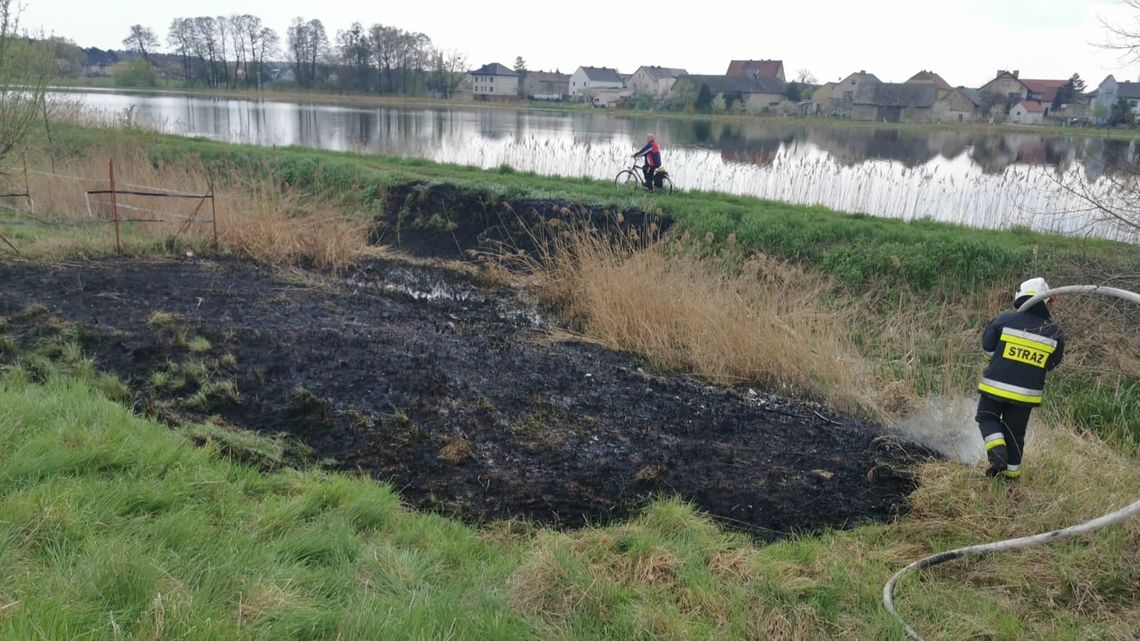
{"points": [[1112, 91], [495, 82], [586, 80], [1027, 113]]}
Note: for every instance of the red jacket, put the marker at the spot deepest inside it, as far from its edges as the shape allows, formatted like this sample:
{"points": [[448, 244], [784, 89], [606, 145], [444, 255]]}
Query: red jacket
{"points": [[652, 154]]}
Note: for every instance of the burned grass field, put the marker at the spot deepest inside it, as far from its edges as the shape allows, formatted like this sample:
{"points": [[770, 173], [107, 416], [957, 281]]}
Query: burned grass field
{"points": [[453, 391]]}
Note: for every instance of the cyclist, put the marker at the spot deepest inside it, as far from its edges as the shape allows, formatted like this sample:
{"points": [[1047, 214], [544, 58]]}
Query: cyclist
{"points": [[652, 153]]}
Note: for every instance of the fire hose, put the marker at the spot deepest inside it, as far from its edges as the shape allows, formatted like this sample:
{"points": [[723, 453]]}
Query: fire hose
{"points": [[1112, 518]]}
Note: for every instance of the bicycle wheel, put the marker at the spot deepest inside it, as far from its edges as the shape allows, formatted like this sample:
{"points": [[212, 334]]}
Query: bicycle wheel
{"points": [[628, 180], [666, 185]]}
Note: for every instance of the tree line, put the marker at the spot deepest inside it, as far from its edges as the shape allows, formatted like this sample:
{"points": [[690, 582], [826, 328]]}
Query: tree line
{"points": [[241, 51], [214, 51]]}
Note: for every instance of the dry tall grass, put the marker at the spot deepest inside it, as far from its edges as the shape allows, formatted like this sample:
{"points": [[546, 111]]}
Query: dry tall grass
{"points": [[257, 218], [767, 323], [775, 324]]}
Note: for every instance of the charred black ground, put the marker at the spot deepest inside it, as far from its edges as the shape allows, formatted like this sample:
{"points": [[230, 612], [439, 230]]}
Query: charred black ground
{"points": [[446, 221], [450, 390]]}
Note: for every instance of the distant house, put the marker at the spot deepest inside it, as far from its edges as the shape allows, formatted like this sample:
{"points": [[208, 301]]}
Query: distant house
{"points": [[757, 69], [98, 62], [1027, 112], [654, 81], [851, 85], [495, 82], [587, 80], [957, 105], [894, 102], [840, 97], [1007, 86], [546, 85], [822, 97], [1043, 91], [925, 77], [1111, 91], [609, 97], [280, 73], [756, 94]]}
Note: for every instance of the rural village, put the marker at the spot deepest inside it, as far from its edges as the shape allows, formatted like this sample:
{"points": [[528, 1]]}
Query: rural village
{"points": [[389, 60], [762, 87]]}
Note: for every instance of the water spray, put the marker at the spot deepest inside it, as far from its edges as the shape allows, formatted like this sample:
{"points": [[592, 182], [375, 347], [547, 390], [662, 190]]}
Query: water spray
{"points": [[1112, 518]]}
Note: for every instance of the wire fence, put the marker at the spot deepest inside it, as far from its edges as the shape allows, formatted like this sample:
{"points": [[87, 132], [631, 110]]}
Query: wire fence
{"points": [[26, 194], [105, 206]]}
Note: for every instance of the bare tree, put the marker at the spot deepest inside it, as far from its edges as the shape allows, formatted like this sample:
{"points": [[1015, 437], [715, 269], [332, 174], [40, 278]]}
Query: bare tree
{"points": [[1114, 201], [355, 53], [447, 72], [141, 40], [412, 55], [25, 67], [1124, 38], [222, 25], [806, 77], [269, 44], [253, 28], [179, 37], [308, 47], [383, 40], [207, 47], [238, 37]]}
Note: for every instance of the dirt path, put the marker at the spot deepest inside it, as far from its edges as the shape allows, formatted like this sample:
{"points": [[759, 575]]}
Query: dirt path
{"points": [[422, 377]]}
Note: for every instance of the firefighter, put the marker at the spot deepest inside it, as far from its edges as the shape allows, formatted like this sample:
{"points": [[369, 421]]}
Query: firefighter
{"points": [[652, 153], [1023, 347]]}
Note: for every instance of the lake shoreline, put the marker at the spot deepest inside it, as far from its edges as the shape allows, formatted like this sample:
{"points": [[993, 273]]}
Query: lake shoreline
{"points": [[365, 100], [981, 180]]}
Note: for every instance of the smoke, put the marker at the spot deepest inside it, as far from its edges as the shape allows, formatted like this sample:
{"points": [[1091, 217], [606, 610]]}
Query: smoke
{"points": [[946, 425]]}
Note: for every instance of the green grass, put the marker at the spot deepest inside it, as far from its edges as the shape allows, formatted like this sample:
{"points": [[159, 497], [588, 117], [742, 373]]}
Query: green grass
{"points": [[43, 241], [858, 250], [114, 527]]}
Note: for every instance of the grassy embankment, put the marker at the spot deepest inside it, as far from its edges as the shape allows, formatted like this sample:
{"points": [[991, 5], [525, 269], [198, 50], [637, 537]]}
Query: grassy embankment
{"points": [[117, 527]]}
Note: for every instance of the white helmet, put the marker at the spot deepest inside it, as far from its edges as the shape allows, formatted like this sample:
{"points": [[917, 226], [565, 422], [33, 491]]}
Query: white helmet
{"points": [[1031, 287]]}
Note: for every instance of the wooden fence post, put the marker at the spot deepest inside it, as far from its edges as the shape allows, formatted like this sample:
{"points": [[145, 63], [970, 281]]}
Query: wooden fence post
{"points": [[28, 186], [115, 208], [214, 215]]}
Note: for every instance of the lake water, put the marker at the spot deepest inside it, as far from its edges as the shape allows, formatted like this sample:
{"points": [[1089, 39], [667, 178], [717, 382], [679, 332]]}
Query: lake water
{"points": [[993, 180]]}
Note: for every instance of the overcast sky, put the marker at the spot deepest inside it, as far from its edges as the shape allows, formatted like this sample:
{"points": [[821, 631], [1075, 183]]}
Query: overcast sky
{"points": [[965, 41]]}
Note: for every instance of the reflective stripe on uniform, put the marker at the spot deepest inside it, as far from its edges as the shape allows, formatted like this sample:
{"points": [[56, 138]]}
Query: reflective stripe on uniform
{"points": [[1011, 473], [994, 440], [1011, 392], [1036, 341]]}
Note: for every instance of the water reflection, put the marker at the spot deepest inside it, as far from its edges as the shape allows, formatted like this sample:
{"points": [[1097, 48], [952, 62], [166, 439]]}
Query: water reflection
{"points": [[973, 178]]}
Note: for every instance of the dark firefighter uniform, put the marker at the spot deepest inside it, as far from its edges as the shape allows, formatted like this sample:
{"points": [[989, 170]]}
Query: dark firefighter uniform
{"points": [[652, 153], [1023, 347]]}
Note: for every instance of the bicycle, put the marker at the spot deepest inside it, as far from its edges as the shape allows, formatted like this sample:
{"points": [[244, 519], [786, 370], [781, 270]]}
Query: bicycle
{"points": [[633, 179]]}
